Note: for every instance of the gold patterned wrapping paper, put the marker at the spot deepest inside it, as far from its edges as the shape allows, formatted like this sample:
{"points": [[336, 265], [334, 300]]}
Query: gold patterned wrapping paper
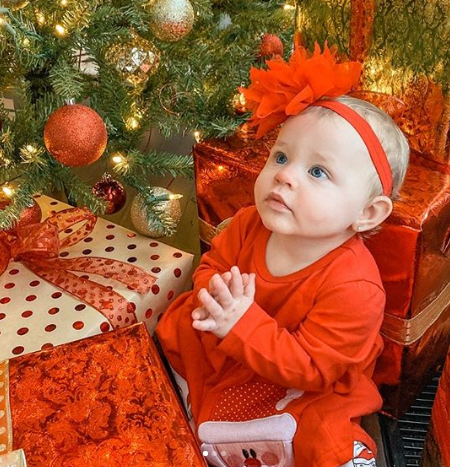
{"points": [[101, 401]]}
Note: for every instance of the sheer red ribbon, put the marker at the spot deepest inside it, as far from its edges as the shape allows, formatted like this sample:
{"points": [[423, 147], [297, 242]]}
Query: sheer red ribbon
{"points": [[37, 246]]}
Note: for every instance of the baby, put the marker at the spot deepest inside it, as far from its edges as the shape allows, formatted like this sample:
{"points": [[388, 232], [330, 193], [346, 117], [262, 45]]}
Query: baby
{"points": [[279, 338]]}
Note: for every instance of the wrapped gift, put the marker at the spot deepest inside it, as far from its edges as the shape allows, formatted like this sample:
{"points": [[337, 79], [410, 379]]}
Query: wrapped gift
{"points": [[40, 308], [13, 459], [225, 172], [411, 251], [101, 401], [436, 452]]}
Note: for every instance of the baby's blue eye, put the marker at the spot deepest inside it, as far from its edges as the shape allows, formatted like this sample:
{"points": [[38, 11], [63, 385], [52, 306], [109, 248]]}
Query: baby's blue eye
{"points": [[318, 172], [281, 158]]}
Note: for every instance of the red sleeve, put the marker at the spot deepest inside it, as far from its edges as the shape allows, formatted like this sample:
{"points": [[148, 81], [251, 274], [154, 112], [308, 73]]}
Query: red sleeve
{"points": [[224, 251], [184, 346], [336, 341]]}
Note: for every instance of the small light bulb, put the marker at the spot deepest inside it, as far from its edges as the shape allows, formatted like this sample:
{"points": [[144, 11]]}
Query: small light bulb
{"points": [[60, 30], [197, 135], [288, 7], [26, 42], [40, 17], [31, 148], [220, 168], [63, 2], [175, 196], [8, 190], [2, 21], [117, 159], [132, 123]]}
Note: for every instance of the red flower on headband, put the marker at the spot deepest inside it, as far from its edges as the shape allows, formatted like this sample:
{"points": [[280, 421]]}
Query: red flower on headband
{"points": [[287, 88]]}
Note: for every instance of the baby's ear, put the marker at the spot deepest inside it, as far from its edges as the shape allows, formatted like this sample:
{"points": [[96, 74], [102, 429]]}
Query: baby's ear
{"points": [[373, 214]]}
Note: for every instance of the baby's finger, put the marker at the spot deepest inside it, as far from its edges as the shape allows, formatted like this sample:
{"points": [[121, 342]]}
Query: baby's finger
{"points": [[226, 277], [236, 286], [250, 288], [210, 305], [222, 292], [199, 314], [244, 279], [204, 325]]}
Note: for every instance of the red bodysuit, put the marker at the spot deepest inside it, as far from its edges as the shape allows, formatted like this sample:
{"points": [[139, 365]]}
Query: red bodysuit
{"points": [[315, 330]]}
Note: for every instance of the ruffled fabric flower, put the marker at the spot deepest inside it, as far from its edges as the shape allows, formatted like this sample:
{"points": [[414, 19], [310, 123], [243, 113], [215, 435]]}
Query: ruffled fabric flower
{"points": [[287, 88]]}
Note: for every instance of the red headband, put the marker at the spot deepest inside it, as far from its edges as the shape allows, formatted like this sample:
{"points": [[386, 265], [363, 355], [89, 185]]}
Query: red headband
{"points": [[376, 151], [287, 88]]}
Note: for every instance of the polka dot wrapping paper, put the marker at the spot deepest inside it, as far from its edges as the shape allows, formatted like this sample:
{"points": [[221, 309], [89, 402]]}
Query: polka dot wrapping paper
{"points": [[13, 459], [35, 315]]}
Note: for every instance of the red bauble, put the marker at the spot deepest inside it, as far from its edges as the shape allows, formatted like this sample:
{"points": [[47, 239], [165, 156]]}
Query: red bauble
{"points": [[31, 215], [270, 45], [75, 135], [112, 192]]}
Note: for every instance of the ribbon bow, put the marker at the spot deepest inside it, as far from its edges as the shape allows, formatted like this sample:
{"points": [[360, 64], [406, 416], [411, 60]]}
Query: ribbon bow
{"points": [[37, 246]]}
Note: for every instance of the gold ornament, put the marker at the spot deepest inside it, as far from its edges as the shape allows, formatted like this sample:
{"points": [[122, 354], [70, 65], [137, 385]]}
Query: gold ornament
{"points": [[138, 212], [238, 103], [14, 4], [135, 60], [171, 20]]}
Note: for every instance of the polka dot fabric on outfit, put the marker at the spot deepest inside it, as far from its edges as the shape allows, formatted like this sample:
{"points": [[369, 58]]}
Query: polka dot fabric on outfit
{"points": [[247, 402], [34, 315]]}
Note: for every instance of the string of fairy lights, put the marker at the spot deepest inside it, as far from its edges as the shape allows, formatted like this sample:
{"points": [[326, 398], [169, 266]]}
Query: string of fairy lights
{"points": [[32, 152]]}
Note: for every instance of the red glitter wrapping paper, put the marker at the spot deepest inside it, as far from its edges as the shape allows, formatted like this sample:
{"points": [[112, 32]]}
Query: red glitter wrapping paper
{"points": [[35, 314], [411, 250], [101, 401]]}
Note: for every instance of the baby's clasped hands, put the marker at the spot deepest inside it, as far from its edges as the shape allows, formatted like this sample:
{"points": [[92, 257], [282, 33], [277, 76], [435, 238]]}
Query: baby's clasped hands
{"points": [[229, 297]]}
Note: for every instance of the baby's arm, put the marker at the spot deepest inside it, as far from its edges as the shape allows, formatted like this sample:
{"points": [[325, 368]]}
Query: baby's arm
{"points": [[228, 299], [336, 337]]}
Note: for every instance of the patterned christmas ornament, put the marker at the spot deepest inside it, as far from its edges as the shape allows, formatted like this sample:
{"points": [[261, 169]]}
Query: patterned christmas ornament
{"points": [[139, 218], [75, 135], [135, 60], [112, 192], [270, 45], [30, 215], [171, 20], [238, 103]]}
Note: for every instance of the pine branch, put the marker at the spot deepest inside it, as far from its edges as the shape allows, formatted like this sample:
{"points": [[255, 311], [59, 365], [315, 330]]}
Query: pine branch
{"points": [[160, 163], [66, 80]]}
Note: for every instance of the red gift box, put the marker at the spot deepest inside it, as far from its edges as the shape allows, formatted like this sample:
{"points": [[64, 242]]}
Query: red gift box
{"points": [[411, 251], [104, 400], [436, 452]]}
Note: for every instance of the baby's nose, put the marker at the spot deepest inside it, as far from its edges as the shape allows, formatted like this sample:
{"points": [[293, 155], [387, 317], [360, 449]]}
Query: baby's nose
{"points": [[284, 176]]}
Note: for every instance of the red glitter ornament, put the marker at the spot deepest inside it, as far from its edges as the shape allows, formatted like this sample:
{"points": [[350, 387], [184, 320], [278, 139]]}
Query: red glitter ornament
{"points": [[75, 135], [112, 192], [270, 45], [31, 215]]}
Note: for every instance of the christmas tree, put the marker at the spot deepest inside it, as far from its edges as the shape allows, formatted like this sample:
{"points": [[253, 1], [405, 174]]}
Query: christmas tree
{"points": [[90, 77]]}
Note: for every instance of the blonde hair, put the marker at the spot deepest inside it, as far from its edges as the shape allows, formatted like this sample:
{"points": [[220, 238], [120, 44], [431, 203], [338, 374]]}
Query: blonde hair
{"points": [[392, 139]]}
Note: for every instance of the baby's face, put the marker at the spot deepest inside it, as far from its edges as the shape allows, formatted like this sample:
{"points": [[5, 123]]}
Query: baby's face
{"points": [[317, 180]]}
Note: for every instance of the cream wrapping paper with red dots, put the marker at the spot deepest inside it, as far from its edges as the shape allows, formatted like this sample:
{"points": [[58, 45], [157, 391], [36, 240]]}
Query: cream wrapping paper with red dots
{"points": [[13, 459], [35, 315]]}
